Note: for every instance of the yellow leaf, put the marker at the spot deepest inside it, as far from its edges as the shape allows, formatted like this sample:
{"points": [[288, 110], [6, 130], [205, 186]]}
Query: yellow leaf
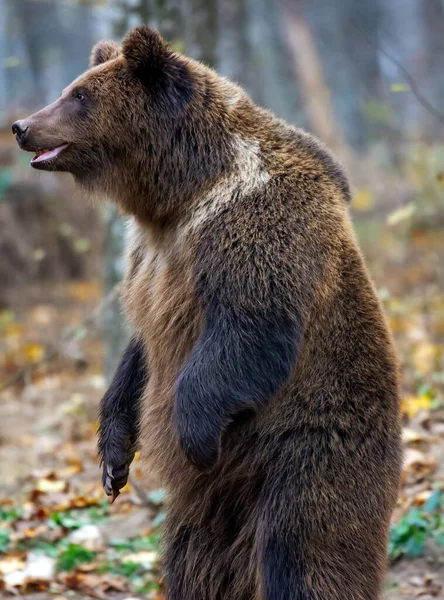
{"points": [[363, 200], [411, 405], [401, 214], [399, 87], [84, 291], [50, 485], [14, 330], [68, 472], [425, 356], [33, 352]]}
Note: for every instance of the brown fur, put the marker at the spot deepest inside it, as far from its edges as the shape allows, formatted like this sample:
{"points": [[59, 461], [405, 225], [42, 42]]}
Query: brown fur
{"points": [[223, 193]]}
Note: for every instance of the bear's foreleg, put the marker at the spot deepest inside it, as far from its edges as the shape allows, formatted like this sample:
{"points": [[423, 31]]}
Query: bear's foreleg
{"points": [[237, 364], [119, 418]]}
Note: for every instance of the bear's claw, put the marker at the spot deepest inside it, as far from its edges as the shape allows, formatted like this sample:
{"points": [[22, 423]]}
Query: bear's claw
{"points": [[115, 478]]}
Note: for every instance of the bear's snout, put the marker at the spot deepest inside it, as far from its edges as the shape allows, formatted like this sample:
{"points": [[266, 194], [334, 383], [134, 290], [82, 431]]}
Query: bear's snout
{"points": [[19, 128]]}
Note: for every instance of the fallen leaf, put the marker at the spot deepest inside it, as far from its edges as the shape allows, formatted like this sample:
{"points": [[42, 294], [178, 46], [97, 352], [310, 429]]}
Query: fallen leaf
{"points": [[417, 465], [10, 564], [400, 87], [421, 498], [411, 405], [85, 291], [410, 436], [146, 559], [33, 352], [363, 200], [401, 214], [425, 356], [88, 536], [39, 567], [50, 485]]}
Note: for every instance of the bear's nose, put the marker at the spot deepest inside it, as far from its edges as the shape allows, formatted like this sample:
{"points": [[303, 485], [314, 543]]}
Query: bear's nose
{"points": [[19, 129]]}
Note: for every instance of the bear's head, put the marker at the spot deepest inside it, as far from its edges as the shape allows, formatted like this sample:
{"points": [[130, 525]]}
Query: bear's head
{"points": [[144, 125]]}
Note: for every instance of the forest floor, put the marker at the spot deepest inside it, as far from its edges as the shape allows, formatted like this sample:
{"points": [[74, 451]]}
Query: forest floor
{"points": [[60, 538]]}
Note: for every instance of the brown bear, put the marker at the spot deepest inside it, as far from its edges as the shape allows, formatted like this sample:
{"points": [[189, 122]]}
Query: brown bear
{"points": [[261, 383]]}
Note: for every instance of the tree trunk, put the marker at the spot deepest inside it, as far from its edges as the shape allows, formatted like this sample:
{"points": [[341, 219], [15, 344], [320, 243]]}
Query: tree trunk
{"points": [[314, 90], [115, 333]]}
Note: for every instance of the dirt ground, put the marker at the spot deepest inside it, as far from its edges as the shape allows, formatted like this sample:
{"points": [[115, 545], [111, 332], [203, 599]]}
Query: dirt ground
{"points": [[48, 445]]}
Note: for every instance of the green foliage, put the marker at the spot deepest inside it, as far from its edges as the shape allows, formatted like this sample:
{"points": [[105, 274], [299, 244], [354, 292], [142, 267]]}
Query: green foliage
{"points": [[424, 389], [4, 540], [129, 569], [74, 519], [145, 587], [409, 536], [391, 585], [424, 170], [73, 556], [377, 111], [10, 514], [5, 181], [148, 543], [7, 317]]}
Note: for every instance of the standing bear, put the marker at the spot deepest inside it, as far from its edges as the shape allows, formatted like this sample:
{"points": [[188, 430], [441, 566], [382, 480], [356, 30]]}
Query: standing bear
{"points": [[260, 383]]}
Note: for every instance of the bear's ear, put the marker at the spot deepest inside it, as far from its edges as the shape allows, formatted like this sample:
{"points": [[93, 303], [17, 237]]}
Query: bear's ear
{"points": [[146, 52], [156, 64], [104, 51]]}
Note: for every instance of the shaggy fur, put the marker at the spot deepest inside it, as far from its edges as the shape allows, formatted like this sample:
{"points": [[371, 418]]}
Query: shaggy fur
{"points": [[270, 412]]}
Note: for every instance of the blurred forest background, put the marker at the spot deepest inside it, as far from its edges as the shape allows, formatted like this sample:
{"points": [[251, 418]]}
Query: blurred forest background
{"points": [[367, 77]]}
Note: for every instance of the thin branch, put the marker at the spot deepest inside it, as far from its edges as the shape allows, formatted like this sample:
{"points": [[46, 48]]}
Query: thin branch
{"points": [[414, 87], [142, 495], [69, 335]]}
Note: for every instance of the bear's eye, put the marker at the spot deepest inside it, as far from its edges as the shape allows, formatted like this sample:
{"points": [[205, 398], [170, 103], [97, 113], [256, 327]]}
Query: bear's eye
{"points": [[79, 96]]}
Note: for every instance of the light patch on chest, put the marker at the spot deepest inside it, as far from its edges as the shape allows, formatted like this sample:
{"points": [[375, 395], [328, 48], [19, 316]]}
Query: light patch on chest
{"points": [[246, 177], [140, 243]]}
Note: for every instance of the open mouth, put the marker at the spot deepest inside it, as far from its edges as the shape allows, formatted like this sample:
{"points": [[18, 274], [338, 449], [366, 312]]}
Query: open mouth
{"points": [[48, 154]]}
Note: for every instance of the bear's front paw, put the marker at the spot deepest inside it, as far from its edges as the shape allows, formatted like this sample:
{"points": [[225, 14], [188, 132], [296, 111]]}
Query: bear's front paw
{"points": [[117, 453], [201, 444]]}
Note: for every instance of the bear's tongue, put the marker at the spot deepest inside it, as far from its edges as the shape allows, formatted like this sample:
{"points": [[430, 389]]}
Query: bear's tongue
{"points": [[42, 155]]}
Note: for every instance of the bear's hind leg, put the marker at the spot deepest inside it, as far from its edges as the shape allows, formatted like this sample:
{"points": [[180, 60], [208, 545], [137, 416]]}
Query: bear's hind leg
{"points": [[281, 569], [175, 564], [304, 554]]}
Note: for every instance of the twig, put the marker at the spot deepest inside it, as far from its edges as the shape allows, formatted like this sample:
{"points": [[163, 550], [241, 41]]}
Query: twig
{"points": [[142, 495], [69, 335], [414, 87]]}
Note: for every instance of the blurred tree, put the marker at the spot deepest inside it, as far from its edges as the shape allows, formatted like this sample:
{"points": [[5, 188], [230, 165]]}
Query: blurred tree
{"points": [[242, 39], [34, 19], [345, 35], [46, 44], [309, 72], [3, 56], [401, 39], [432, 36], [115, 333], [253, 50], [78, 30]]}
